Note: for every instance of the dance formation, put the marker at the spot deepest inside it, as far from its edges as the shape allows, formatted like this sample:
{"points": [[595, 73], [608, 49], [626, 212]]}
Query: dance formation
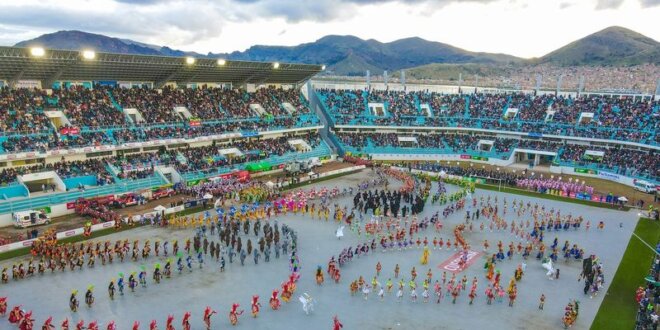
{"points": [[384, 220]]}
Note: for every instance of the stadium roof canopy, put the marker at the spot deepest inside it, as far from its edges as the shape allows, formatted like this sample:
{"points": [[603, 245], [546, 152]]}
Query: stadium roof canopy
{"points": [[70, 65]]}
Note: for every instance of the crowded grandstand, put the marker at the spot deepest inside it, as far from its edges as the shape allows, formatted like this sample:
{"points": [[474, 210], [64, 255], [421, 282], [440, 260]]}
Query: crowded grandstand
{"points": [[91, 133]]}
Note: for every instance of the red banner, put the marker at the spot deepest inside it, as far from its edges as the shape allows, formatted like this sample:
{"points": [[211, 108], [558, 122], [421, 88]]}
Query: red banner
{"points": [[454, 264], [69, 130]]}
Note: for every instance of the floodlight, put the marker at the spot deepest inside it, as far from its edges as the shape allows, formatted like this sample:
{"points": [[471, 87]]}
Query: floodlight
{"points": [[37, 51], [276, 65], [190, 60], [221, 62], [89, 54], [322, 67]]}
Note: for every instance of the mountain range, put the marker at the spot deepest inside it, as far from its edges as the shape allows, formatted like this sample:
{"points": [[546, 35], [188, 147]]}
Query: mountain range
{"points": [[350, 55]]}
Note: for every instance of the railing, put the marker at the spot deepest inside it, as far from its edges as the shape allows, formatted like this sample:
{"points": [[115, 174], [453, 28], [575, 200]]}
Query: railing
{"points": [[22, 204]]}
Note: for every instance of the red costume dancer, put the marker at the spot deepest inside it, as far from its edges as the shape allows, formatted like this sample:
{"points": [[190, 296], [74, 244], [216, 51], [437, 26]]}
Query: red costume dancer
{"points": [[169, 326], [336, 325], [286, 292], [111, 326], [256, 305], [65, 324], [93, 326], [3, 306], [80, 325], [48, 324], [274, 301], [337, 276], [27, 322], [234, 314], [185, 323], [136, 325], [16, 315], [208, 312], [153, 325]]}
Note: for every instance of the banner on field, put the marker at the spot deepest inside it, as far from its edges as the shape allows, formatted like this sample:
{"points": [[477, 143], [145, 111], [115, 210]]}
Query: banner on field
{"points": [[191, 183], [585, 171]]}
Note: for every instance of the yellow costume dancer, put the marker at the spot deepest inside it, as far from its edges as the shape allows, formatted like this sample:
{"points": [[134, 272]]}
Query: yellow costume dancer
{"points": [[425, 256]]}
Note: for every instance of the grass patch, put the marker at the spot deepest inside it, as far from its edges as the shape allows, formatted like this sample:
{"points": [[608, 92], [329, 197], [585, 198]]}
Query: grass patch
{"points": [[619, 310], [551, 197]]}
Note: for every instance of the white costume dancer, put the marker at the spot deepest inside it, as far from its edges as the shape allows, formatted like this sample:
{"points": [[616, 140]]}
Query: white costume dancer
{"points": [[547, 264], [425, 295], [365, 291], [399, 294], [340, 232], [381, 293], [307, 302], [413, 295]]}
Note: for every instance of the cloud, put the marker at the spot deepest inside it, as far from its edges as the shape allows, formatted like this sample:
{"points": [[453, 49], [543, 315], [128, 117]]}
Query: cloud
{"points": [[608, 4], [174, 22], [649, 3], [327, 10], [565, 5]]}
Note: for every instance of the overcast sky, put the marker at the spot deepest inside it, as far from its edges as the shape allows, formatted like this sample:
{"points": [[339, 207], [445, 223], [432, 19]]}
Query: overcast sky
{"points": [[525, 28]]}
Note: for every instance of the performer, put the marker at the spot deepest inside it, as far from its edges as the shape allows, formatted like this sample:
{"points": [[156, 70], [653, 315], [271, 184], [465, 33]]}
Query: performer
{"points": [[89, 296], [274, 300], [185, 322], [256, 305], [378, 268], [153, 325], [170, 318], [80, 325], [425, 256], [65, 324], [111, 326], [27, 322], [132, 283], [541, 301], [73, 301], [3, 306], [142, 277], [208, 312], [337, 275], [319, 275], [136, 325], [93, 326], [234, 314], [111, 289], [15, 315], [120, 284], [336, 325]]}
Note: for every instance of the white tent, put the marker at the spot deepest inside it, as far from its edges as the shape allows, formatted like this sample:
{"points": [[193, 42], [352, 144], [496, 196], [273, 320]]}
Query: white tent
{"points": [[160, 208]]}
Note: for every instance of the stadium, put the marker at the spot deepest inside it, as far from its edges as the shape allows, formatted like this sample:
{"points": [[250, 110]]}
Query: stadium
{"points": [[124, 168]]}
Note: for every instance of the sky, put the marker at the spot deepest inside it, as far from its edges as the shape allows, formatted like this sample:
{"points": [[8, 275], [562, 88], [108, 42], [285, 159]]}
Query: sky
{"points": [[524, 28]]}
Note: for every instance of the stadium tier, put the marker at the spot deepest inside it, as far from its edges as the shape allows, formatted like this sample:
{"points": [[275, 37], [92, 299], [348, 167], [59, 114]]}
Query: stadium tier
{"points": [[591, 134], [629, 119], [105, 130]]}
